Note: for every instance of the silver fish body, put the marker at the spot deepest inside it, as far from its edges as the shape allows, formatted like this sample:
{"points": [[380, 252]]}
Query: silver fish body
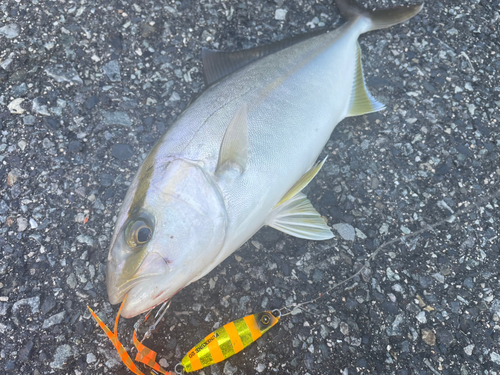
{"points": [[221, 171]]}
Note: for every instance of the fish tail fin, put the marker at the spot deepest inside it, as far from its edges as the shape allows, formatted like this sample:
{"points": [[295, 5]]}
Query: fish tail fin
{"points": [[377, 19]]}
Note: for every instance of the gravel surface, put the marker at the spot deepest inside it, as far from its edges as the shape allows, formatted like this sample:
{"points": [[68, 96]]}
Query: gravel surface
{"points": [[86, 87]]}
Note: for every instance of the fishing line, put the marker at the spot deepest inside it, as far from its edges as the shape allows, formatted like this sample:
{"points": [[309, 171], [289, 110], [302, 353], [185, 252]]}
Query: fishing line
{"points": [[237, 335], [372, 256]]}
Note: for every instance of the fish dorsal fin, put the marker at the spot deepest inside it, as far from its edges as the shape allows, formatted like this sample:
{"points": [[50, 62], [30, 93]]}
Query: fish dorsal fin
{"points": [[362, 101], [302, 182], [217, 64], [297, 217], [233, 151]]}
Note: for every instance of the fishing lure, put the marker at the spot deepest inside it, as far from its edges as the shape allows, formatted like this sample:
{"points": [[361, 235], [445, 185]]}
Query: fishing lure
{"points": [[228, 340], [217, 346], [214, 348]]}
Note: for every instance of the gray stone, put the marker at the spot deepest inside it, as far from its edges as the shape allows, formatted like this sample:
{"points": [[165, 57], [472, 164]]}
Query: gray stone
{"points": [[439, 277], [112, 70], [85, 239], [495, 357], [61, 74], [29, 120], [71, 281], [280, 14], [229, 369], [22, 224], [421, 317], [54, 320], [91, 358], [40, 108], [260, 367], [10, 31], [19, 90], [24, 353], [116, 118], [468, 349], [122, 151], [4, 208], [62, 354], [33, 302], [346, 231]]}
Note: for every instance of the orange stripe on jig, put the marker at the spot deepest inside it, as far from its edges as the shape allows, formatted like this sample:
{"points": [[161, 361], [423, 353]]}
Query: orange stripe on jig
{"points": [[228, 340]]}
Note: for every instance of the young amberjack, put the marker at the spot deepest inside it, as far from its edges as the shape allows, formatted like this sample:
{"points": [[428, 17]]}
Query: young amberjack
{"points": [[238, 157]]}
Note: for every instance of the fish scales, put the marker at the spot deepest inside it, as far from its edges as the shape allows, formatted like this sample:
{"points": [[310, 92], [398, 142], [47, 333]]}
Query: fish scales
{"points": [[221, 171]]}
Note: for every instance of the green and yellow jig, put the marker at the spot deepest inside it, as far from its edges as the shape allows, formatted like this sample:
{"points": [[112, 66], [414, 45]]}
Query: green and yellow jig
{"points": [[216, 347], [228, 340]]}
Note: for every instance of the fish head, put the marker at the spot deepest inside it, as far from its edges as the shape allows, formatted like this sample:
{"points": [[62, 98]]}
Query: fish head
{"points": [[170, 228]]}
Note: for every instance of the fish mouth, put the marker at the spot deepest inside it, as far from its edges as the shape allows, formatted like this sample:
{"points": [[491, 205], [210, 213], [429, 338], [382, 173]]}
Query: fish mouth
{"points": [[153, 266]]}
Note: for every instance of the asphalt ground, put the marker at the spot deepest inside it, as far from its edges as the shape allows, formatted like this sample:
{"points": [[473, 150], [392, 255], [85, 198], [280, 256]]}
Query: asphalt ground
{"points": [[86, 87]]}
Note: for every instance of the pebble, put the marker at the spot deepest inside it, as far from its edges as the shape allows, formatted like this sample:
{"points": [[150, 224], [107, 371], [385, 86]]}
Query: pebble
{"points": [[421, 317], [19, 90], [24, 353], [48, 304], [116, 118], [438, 277], [22, 224], [91, 102], [260, 367], [10, 31], [75, 146], [33, 302], [62, 354], [91, 358], [54, 320], [40, 108], [495, 357], [29, 120], [280, 14], [71, 281], [122, 151], [112, 70], [15, 106], [229, 369], [468, 349], [13, 176], [33, 223], [428, 336], [60, 74], [346, 231]]}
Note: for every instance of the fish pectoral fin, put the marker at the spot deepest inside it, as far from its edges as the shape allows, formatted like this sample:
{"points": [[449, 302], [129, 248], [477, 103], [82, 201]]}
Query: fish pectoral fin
{"points": [[219, 64], [233, 151], [362, 102], [302, 182], [297, 217]]}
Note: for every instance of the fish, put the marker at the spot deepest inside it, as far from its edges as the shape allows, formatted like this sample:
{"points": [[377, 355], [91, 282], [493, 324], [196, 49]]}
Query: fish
{"points": [[238, 158]]}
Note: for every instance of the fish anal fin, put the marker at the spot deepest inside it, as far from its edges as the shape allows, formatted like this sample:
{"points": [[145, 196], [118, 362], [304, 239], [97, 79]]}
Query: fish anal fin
{"points": [[219, 64], [362, 102], [297, 217], [302, 182], [233, 151]]}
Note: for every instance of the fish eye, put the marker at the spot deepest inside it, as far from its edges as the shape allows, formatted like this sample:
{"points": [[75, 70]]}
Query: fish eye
{"points": [[138, 232], [265, 319]]}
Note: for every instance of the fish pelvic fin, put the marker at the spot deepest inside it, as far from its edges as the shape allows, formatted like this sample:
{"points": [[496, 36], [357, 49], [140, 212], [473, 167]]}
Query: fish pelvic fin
{"points": [[362, 102], [297, 217], [380, 18], [302, 182]]}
